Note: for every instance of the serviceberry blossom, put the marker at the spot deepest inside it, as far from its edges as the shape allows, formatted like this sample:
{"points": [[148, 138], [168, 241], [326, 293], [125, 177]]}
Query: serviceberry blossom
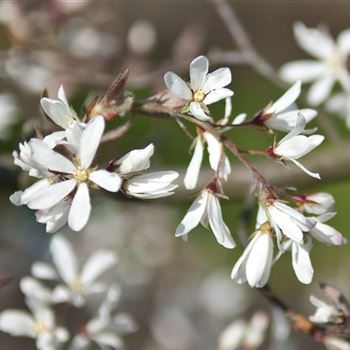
{"points": [[315, 203], [294, 146], [330, 64], [39, 324], [75, 284], [77, 174], [204, 88], [217, 159], [206, 210], [325, 313], [255, 264], [107, 327], [60, 112], [282, 115]]}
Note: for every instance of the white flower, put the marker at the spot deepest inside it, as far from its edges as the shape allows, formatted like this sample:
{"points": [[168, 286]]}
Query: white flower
{"points": [[283, 114], [39, 325], [59, 111], [79, 175], [217, 159], [255, 263], [287, 221], [206, 209], [329, 66], [241, 334], [204, 89], [8, 116], [325, 313], [153, 185], [316, 203], [294, 146], [78, 283], [107, 327]]}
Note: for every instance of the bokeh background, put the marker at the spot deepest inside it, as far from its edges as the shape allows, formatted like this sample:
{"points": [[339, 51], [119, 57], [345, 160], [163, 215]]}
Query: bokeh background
{"points": [[180, 294]]}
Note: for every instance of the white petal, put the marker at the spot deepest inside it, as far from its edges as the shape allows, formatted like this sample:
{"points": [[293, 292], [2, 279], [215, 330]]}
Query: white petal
{"points": [[193, 169], [217, 95], [177, 86], [305, 170], [216, 149], [219, 228], [43, 271], [58, 112], [193, 215], [52, 140], [287, 226], [17, 323], [320, 90], [79, 212], [287, 98], [259, 261], [306, 71], [107, 180], [108, 339], [238, 273], [239, 119], [301, 262], [50, 159], [198, 71], [90, 140], [20, 198], [51, 195], [299, 127], [61, 94], [217, 79], [64, 258], [32, 288], [197, 111], [327, 234], [135, 160], [97, 264], [343, 42], [315, 41]]}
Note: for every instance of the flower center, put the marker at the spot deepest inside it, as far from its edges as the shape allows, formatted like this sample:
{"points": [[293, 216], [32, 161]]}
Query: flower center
{"points": [[199, 96], [81, 175], [40, 327], [77, 285], [266, 227], [335, 63]]}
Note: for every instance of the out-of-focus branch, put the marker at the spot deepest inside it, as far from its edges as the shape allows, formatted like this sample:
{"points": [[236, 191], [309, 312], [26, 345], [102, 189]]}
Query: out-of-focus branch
{"points": [[253, 58]]}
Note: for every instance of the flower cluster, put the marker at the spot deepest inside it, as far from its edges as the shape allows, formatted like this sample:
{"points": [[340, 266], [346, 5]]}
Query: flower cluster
{"points": [[64, 162], [73, 286]]}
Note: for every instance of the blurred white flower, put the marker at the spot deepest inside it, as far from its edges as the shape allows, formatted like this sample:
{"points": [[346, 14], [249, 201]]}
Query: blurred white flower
{"points": [[282, 115], [40, 324], [107, 327], [204, 89], [255, 263], [206, 210], [78, 283], [245, 335], [294, 146], [325, 313], [329, 66], [339, 103], [217, 159], [141, 37]]}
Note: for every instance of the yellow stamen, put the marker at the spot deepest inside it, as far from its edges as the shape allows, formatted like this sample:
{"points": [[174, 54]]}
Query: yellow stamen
{"points": [[266, 227], [81, 175], [199, 96]]}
